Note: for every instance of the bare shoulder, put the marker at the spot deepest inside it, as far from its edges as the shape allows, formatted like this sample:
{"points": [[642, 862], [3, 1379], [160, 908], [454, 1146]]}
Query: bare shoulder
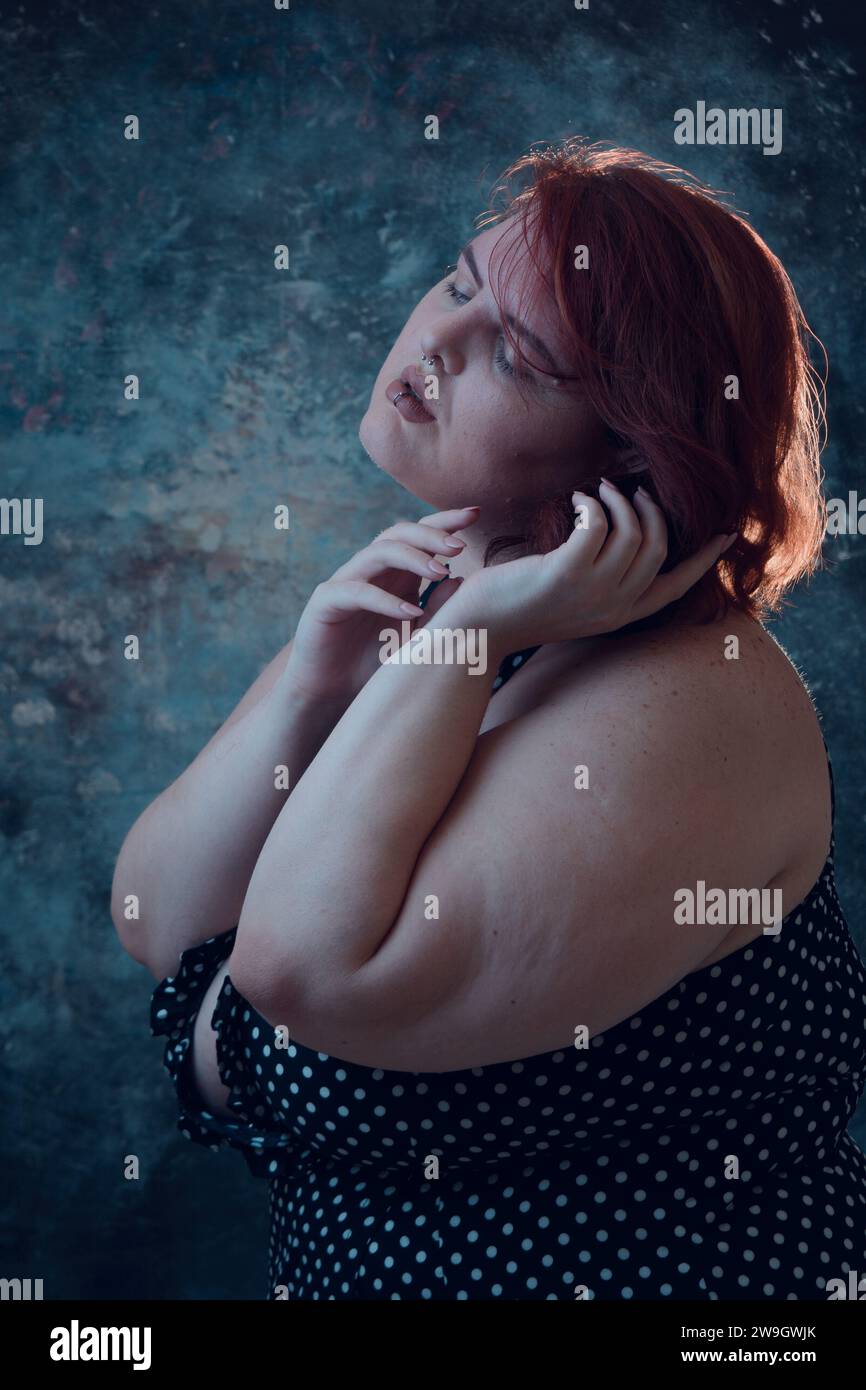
{"points": [[731, 702], [717, 706], [742, 685], [607, 777]]}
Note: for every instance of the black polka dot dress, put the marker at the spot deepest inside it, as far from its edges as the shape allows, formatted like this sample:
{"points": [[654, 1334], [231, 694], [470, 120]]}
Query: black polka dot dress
{"points": [[697, 1150]]}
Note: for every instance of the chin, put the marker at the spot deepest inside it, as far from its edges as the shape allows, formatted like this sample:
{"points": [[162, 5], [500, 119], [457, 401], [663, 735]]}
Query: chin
{"points": [[376, 439], [387, 441], [380, 433]]}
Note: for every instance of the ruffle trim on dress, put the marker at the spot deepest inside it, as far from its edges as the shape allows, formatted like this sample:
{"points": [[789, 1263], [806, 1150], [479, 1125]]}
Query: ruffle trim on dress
{"points": [[174, 1007]]}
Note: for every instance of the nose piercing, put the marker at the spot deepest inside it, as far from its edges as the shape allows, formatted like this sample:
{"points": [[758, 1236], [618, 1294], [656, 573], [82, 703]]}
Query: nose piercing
{"points": [[429, 363]]}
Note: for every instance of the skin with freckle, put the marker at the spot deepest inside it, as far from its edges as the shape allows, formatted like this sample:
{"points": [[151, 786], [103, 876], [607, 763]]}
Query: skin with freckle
{"points": [[501, 448], [559, 827]]}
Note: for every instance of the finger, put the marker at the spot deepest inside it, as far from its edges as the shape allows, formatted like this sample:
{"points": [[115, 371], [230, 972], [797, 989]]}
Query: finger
{"points": [[384, 555], [337, 598], [667, 588], [654, 545], [435, 540], [624, 537], [452, 520], [590, 528]]}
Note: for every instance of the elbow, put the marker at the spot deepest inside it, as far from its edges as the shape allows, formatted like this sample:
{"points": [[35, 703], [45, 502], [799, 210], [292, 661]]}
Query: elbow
{"points": [[253, 974], [124, 916], [122, 902], [126, 911], [315, 1001], [138, 875], [139, 945], [136, 898], [268, 982]]}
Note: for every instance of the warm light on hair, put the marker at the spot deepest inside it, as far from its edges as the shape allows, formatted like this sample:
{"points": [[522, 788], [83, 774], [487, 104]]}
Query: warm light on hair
{"points": [[680, 294]]}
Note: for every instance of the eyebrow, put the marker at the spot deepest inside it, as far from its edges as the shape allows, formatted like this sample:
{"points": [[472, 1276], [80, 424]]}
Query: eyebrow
{"points": [[469, 257]]}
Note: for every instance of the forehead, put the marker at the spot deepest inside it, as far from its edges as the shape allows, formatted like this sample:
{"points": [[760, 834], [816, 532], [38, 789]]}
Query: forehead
{"points": [[506, 264]]}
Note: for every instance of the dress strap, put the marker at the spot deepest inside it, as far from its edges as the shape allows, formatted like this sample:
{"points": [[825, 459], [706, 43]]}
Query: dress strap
{"points": [[422, 601]]}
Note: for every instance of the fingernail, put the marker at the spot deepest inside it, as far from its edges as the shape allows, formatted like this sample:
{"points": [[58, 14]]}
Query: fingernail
{"points": [[411, 608], [435, 568], [608, 483], [454, 545], [472, 509], [729, 542], [643, 492]]}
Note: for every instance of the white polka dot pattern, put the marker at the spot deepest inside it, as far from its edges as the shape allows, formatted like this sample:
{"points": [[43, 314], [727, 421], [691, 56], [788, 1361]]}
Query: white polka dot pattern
{"points": [[603, 1169]]}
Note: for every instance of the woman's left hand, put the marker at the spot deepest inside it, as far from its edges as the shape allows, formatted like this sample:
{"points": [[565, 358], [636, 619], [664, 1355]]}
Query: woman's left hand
{"points": [[602, 578]]}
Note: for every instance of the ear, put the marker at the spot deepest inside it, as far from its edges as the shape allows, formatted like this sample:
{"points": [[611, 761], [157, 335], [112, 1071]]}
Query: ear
{"points": [[626, 457], [630, 460]]}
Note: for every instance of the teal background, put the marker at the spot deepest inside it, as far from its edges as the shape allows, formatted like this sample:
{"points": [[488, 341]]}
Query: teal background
{"points": [[156, 257]]}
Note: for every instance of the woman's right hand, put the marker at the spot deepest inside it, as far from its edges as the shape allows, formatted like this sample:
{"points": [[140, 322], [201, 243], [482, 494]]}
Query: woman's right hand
{"points": [[336, 648]]}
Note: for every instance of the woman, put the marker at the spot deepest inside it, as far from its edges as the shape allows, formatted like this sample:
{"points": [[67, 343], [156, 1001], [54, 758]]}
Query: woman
{"points": [[547, 995]]}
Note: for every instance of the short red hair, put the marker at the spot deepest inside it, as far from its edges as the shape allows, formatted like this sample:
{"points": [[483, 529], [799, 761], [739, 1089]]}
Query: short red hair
{"points": [[679, 295]]}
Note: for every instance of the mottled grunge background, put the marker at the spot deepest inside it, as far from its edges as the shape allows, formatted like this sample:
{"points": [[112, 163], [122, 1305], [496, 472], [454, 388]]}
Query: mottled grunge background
{"points": [[156, 257]]}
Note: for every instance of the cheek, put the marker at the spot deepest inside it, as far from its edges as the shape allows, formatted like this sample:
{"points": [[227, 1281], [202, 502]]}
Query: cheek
{"points": [[524, 426], [536, 447]]}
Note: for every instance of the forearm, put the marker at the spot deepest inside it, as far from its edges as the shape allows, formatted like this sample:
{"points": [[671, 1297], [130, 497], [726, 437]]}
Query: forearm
{"points": [[333, 873], [188, 859]]}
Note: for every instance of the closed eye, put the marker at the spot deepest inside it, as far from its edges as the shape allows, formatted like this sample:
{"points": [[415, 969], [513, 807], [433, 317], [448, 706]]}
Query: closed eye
{"points": [[499, 357], [452, 290], [554, 378]]}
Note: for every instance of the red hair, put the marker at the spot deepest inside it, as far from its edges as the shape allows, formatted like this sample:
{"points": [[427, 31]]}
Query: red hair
{"points": [[680, 294]]}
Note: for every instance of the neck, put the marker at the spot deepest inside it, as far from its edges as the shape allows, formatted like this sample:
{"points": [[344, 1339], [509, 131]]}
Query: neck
{"points": [[477, 538]]}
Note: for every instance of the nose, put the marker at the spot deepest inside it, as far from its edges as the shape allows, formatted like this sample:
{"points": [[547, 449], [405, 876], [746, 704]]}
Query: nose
{"points": [[440, 345], [441, 359]]}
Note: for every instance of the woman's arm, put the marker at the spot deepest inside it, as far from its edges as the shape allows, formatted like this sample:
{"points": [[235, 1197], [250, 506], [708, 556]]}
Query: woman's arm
{"points": [[333, 873], [184, 867], [430, 899], [188, 858]]}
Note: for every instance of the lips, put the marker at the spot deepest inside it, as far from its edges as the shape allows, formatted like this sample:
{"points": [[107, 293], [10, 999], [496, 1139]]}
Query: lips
{"points": [[413, 408]]}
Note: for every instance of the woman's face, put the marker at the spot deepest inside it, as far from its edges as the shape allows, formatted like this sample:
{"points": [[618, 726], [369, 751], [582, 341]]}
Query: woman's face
{"points": [[488, 443]]}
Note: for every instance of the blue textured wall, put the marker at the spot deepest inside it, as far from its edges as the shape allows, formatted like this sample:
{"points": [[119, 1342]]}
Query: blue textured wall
{"points": [[156, 257]]}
